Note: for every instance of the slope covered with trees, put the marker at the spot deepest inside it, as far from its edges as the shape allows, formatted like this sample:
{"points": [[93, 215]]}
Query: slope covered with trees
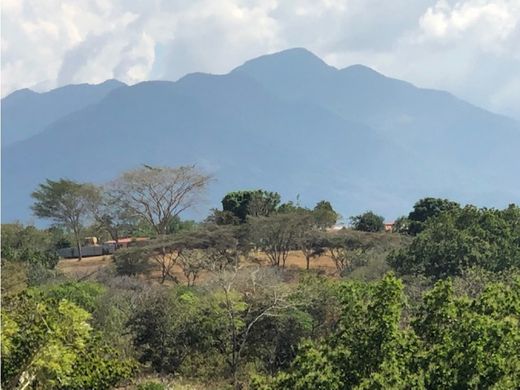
{"points": [[217, 305]]}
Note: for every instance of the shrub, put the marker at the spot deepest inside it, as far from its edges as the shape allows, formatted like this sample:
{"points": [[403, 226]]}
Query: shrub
{"points": [[132, 262]]}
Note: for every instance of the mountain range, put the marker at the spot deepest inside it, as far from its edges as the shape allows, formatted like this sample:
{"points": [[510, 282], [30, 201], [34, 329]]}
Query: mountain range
{"points": [[285, 122]]}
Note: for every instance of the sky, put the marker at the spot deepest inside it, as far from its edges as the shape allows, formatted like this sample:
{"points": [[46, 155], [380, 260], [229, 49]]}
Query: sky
{"points": [[468, 47]]}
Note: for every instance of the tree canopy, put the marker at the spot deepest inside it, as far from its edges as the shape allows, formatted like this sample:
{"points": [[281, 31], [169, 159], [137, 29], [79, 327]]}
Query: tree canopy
{"points": [[256, 203], [460, 238], [66, 203], [368, 222]]}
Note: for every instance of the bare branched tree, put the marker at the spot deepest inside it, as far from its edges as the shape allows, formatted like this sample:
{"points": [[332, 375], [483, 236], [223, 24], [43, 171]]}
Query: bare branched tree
{"points": [[192, 263], [159, 194]]}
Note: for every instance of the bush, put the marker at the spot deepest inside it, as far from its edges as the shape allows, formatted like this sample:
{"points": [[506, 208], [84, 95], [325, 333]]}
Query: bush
{"points": [[151, 386], [131, 262]]}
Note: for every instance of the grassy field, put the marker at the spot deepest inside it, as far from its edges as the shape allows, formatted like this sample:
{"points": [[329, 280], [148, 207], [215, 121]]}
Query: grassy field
{"points": [[295, 262], [382, 244]]}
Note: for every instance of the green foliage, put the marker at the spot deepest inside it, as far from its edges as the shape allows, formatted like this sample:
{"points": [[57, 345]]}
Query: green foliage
{"points": [[467, 342], [450, 343], [31, 245], [324, 214], [425, 209], [99, 366], [170, 325], [48, 341], [82, 294], [368, 222], [132, 261], [401, 225], [254, 203], [50, 336], [151, 386], [66, 203], [462, 238]]}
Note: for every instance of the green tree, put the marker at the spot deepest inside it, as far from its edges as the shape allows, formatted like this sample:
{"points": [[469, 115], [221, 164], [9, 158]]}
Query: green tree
{"points": [[67, 203], [256, 203], [277, 235], [324, 215], [425, 209], [368, 349], [459, 239], [49, 338], [449, 342], [368, 222], [483, 334]]}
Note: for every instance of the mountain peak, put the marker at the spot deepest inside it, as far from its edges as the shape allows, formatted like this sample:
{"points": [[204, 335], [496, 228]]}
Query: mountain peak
{"points": [[295, 59], [359, 68]]}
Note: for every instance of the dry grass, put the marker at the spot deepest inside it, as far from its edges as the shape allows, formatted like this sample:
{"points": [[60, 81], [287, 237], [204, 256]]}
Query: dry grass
{"points": [[295, 262]]}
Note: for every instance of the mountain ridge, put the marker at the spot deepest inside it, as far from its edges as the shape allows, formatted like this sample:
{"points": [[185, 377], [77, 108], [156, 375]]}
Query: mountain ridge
{"points": [[47, 107], [321, 133]]}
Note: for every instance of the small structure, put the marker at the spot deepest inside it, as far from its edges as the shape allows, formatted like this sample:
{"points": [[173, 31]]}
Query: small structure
{"points": [[91, 247], [337, 227], [389, 226], [111, 246]]}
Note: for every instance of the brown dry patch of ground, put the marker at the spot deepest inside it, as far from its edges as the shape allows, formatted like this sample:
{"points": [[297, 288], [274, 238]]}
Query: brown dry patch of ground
{"points": [[296, 261], [294, 264], [86, 266]]}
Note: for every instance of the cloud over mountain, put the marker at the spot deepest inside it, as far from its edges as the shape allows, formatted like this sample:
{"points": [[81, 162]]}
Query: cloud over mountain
{"points": [[53, 43]]}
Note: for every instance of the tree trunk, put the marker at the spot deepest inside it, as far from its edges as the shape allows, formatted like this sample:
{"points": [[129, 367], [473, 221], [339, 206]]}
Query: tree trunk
{"points": [[308, 259], [78, 245]]}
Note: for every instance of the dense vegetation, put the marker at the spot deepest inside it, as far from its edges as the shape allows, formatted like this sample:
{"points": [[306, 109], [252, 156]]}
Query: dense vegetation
{"points": [[218, 304]]}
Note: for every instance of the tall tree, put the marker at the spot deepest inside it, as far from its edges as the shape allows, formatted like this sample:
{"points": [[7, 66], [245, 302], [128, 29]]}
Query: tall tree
{"points": [[425, 209], [257, 203], [324, 215], [67, 203], [111, 215], [368, 222], [159, 194]]}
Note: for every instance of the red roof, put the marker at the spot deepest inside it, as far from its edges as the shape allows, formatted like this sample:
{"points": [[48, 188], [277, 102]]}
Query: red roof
{"points": [[126, 240]]}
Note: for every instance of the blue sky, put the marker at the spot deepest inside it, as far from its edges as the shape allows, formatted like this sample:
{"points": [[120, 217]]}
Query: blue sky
{"points": [[468, 47]]}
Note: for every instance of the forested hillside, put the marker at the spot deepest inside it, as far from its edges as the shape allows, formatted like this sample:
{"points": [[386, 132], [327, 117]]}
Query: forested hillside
{"points": [[432, 301]]}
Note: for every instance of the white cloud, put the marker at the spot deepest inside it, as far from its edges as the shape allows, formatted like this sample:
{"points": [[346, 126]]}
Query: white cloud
{"points": [[470, 47]]}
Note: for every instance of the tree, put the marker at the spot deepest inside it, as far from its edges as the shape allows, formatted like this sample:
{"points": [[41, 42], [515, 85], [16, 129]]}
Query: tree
{"points": [[368, 222], [244, 300], [48, 343], [192, 263], [378, 345], [67, 203], [401, 225], [324, 215], [256, 203], [277, 235], [133, 261], [459, 239], [365, 343], [312, 244], [346, 252], [159, 194], [425, 209], [111, 215]]}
